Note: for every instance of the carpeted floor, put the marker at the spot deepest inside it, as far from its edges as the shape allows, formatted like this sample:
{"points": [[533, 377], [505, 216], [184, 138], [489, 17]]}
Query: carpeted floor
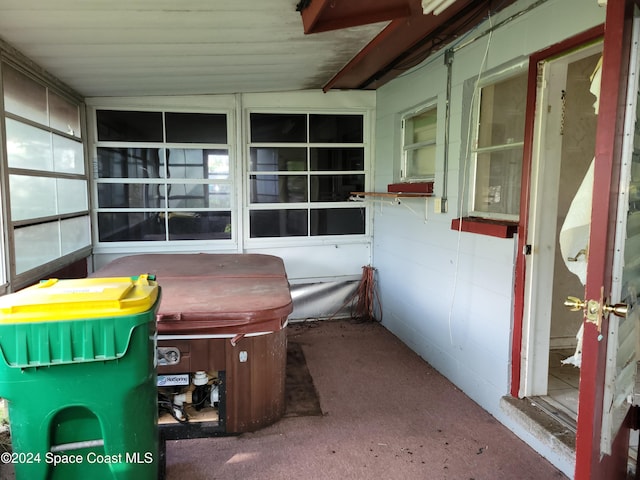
{"points": [[386, 414]]}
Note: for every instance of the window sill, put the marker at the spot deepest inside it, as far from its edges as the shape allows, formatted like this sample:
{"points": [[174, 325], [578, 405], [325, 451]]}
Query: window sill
{"points": [[484, 226]]}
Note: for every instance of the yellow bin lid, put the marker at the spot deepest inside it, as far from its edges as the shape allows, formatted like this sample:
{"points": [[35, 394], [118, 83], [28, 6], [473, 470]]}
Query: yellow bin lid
{"points": [[86, 298]]}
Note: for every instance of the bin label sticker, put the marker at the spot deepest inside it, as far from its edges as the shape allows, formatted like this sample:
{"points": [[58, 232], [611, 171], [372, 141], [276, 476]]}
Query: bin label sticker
{"points": [[73, 291]]}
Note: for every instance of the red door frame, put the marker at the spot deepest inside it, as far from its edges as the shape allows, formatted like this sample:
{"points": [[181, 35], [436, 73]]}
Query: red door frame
{"points": [[617, 35], [523, 224]]}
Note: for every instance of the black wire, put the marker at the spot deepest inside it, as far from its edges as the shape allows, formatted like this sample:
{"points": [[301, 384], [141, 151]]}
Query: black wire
{"points": [[437, 38], [416, 54], [164, 404], [302, 4], [436, 42]]}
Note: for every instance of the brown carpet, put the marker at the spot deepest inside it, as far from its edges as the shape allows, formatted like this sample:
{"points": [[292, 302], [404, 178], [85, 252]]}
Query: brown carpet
{"points": [[386, 414], [300, 392]]}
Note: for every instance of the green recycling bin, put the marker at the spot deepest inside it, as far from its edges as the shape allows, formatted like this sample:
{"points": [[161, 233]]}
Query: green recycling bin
{"points": [[77, 370]]}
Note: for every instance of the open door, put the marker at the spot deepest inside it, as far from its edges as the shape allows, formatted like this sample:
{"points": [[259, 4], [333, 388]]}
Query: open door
{"points": [[602, 438], [607, 306]]}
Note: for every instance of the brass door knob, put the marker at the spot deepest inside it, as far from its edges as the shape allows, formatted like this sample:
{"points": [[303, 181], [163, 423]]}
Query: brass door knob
{"points": [[619, 309], [574, 304]]}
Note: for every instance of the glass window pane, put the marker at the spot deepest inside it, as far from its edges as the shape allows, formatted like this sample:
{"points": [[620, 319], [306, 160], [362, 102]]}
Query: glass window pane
{"points": [[64, 115], [337, 221], [28, 147], [75, 233], [35, 245], [274, 159], [196, 127], [336, 128], [185, 163], [197, 195], [32, 197], [24, 96], [631, 272], [198, 163], [124, 126], [218, 161], [275, 127], [219, 196], [335, 188], [131, 226], [199, 225], [68, 156], [422, 127], [421, 162], [498, 182], [131, 195], [278, 223], [278, 188], [130, 162], [333, 159], [502, 108], [72, 195]]}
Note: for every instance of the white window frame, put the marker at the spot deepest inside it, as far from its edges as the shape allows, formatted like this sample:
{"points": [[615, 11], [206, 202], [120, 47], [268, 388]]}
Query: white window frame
{"points": [[68, 243], [511, 71], [4, 275], [165, 105], [407, 147], [259, 242]]}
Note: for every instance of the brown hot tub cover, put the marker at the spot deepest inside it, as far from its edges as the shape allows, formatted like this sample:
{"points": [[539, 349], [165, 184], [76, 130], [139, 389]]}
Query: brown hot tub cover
{"points": [[213, 293]]}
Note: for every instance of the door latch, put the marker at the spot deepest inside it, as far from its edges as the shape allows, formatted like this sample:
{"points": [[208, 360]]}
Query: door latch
{"points": [[595, 310], [591, 309]]}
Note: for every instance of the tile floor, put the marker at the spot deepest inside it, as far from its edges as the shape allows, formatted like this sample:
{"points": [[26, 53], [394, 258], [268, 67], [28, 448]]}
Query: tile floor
{"points": [[562, 399], [563, 384]]}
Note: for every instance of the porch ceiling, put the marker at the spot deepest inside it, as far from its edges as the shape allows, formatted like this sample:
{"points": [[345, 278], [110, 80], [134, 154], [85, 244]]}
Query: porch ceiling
{"points": [[164, 47]]}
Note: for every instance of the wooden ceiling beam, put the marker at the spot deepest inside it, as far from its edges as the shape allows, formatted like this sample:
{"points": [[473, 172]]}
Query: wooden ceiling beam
{"points": [[406, 42], [326, 15]]}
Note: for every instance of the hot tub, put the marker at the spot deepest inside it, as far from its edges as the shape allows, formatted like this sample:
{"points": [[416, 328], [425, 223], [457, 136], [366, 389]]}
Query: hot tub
{"points": [[221, 339]]}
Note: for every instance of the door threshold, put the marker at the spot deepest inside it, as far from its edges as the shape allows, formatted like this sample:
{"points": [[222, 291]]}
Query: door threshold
{"points": [[556, 411], [544, 421]]}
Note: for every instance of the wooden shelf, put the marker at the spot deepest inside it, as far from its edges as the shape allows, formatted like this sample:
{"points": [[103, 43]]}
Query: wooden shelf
{"points": [[392, 194]]}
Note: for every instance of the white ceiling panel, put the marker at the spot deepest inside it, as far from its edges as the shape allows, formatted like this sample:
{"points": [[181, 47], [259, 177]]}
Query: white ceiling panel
{"points": [[161, 47]]}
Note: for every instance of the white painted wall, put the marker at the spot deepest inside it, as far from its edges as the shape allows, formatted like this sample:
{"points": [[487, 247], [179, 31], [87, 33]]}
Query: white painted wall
{"points": [[449, 295]]}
